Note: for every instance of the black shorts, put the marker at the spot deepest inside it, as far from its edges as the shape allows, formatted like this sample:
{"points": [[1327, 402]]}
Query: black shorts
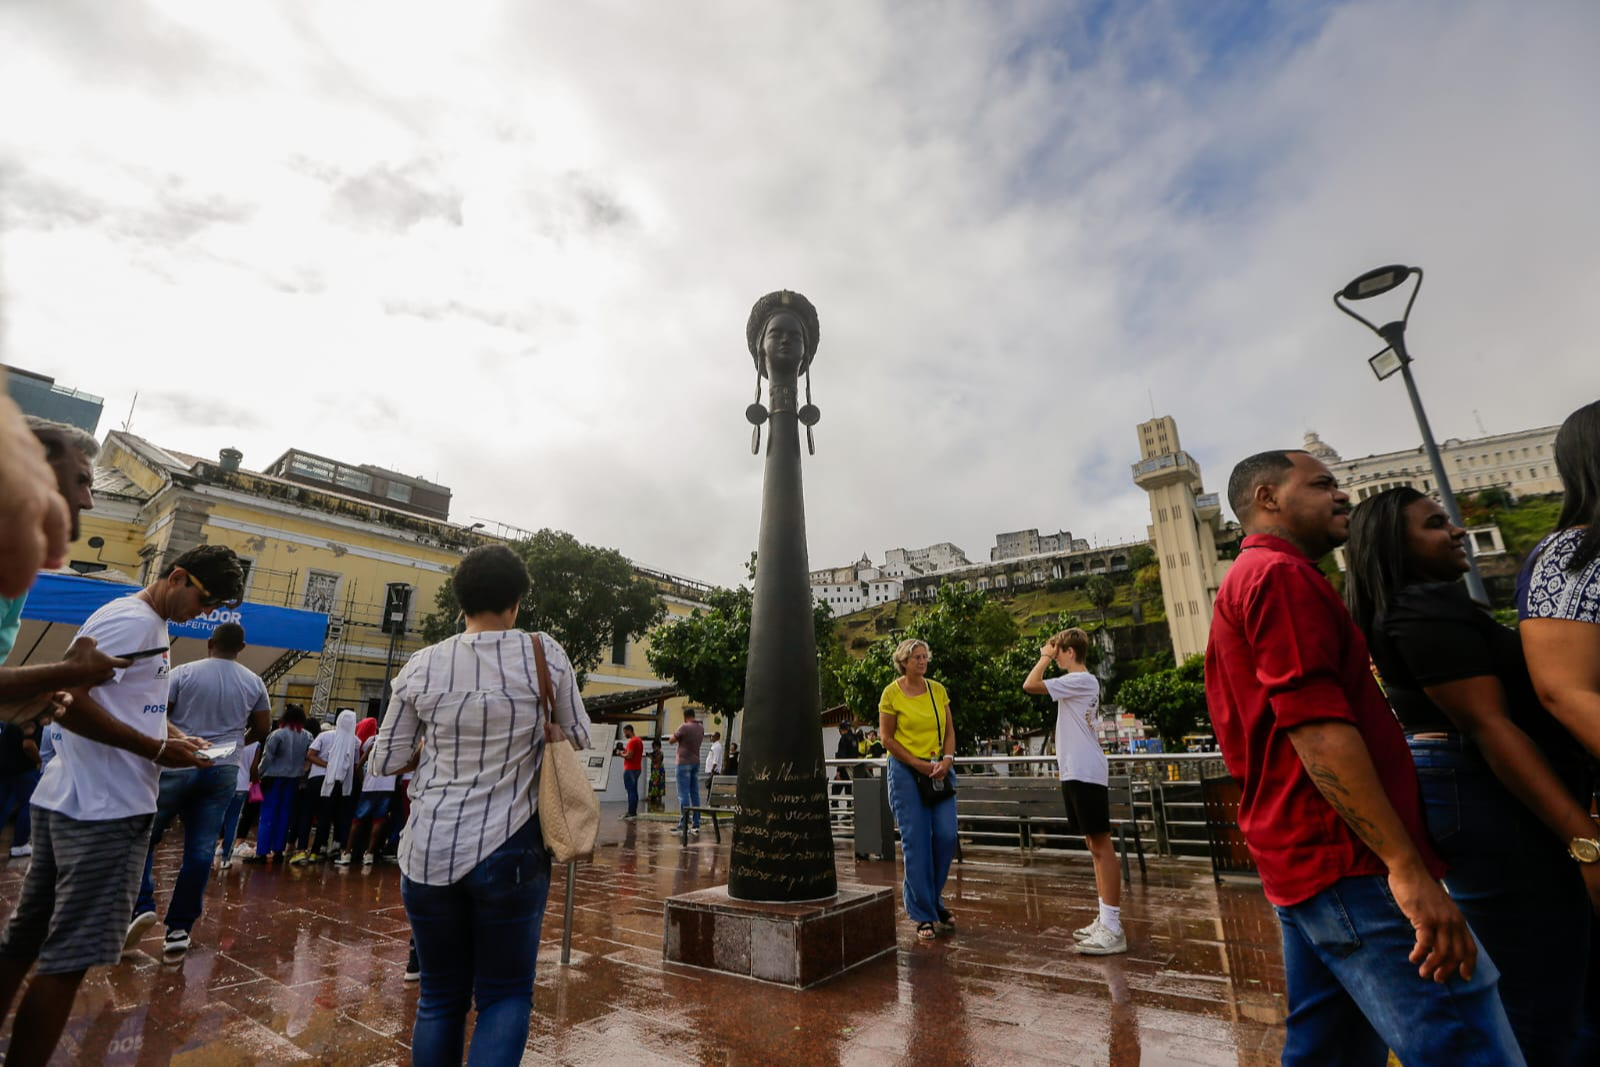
{"points": [[1088, 807]]}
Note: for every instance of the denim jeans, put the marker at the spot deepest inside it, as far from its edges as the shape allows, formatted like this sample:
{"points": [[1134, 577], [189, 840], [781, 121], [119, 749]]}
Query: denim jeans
{"points": [[478, 939], [630, 782], [16, 789], [230, 821], [1354, 993], [1520, 891], [201, 796], [927, 842], [688, 792], [277, 814]]}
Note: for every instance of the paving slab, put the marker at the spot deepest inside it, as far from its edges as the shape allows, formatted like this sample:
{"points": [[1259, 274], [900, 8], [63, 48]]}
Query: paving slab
{"points": [[304, 965]]}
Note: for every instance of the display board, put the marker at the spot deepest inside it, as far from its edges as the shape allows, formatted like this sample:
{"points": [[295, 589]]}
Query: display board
{"points": [[597, 757]]}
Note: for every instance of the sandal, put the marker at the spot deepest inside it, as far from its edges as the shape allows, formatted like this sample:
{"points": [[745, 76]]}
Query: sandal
{"points": [[926, 932]]}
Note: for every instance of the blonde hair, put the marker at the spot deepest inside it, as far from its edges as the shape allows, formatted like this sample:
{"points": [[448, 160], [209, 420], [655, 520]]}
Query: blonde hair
{"points": [[903, 652], [1076, 640]]}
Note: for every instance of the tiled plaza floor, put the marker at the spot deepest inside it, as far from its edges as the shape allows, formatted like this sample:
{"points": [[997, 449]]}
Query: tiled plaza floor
{"points": [[303, 965]]}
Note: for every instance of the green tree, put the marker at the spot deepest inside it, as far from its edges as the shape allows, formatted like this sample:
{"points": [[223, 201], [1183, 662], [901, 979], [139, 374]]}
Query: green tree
{"points": [[1141, 557], [586, 597], [1173, 701], [979, 660], [1101, 593], [706, 652]]}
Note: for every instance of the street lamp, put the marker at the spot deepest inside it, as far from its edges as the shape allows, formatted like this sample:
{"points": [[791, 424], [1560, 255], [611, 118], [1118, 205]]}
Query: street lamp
{"points": [[1396, 358]]}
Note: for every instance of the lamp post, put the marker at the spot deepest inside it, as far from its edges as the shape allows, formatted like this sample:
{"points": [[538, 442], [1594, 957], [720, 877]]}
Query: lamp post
{"points": [[1396, 358]]}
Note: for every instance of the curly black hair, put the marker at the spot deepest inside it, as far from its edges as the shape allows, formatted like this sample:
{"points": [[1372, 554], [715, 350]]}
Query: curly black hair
{"points": [[491, 578], [216, 567]]}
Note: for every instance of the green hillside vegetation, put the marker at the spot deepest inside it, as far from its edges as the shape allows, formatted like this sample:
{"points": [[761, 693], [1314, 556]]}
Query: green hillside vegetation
{"points": [[1030, 610], [1522, 524]]}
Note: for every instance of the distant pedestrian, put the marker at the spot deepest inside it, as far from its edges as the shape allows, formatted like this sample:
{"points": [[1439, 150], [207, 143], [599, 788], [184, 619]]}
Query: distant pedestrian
{"points": [[656, 795], [916, 722], [278, 766], [19, 774], [632, 764], [714, 757], [730, 765], [224, 701], [688, 738], [241, 798], [1376, 954], [1084, 771]]}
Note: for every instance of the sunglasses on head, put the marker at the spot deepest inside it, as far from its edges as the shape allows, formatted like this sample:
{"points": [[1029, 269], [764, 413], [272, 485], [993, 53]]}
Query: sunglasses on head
{"points": [[206, 599]]}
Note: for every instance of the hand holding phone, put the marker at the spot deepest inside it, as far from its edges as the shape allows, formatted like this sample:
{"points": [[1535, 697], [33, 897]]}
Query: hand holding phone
{"points": [[217, 752]]}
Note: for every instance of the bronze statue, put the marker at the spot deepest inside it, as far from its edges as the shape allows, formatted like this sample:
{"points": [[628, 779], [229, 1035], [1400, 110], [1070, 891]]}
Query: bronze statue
{"points": [[782, 843]]}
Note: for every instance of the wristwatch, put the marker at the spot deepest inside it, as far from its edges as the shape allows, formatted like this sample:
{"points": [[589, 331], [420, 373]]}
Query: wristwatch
{"points": [[1584, 849]]}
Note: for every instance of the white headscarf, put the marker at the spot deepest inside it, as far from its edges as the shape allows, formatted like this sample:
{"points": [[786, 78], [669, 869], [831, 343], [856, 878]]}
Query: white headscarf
{"points": [[341, 755]]}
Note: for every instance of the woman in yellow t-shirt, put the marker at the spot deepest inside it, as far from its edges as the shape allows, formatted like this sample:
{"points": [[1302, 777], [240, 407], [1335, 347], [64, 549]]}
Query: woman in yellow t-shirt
{"points": [[914, 720]]}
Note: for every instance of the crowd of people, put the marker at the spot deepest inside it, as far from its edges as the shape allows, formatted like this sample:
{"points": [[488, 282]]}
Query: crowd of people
{"points": [[1426, 835], [1417, 778]]}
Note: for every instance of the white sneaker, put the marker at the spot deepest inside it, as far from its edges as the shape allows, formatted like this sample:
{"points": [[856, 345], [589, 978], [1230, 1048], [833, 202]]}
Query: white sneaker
{"points": [[141, 922], [1103, 943], [225, 863], [343, 859], [176, 944], [19, 851], [1086, 932], [367, 859]]}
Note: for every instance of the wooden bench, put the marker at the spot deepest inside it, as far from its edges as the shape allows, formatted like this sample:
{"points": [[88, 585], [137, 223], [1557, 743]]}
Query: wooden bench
{"points": [[1033, 806], [722, 801]]}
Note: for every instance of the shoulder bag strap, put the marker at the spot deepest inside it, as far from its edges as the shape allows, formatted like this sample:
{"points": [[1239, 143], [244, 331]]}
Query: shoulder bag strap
{"points": [[937, 724], [547, 691]]}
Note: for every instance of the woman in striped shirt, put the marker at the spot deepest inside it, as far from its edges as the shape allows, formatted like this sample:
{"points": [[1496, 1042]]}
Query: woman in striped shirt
{"points": [[476, 872]]}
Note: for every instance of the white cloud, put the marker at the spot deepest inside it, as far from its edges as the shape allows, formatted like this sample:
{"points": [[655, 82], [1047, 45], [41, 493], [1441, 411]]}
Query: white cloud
{"points": [[513, 246]]}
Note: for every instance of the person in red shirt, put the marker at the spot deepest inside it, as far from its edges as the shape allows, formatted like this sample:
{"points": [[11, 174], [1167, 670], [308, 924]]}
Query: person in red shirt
{"points": [[1376, 955], [632, 765]]}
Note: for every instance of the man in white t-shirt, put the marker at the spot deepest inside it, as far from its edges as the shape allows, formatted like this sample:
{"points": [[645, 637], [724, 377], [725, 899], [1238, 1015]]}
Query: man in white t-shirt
{"points": [[225, 702], [1083, 769], [95, 801], [714, 758]]}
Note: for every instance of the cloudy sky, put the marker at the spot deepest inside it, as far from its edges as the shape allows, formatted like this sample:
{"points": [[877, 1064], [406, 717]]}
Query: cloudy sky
{"points": [[511, 246]]}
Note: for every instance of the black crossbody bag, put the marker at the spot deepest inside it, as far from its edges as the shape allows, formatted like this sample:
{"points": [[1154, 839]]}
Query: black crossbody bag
{"points": [[935, 790]]}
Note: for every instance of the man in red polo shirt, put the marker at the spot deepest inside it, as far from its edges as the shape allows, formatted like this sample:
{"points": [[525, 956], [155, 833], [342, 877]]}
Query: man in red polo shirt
{"points": [[1376, 954], [632, 764]]}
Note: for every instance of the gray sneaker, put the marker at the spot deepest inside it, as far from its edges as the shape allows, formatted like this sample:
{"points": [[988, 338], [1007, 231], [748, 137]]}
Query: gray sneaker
{"points": [[1103, 943], [1086, 932]]}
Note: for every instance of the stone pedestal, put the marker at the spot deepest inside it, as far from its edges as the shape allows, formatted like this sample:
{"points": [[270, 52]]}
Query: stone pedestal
{"points": [[790, 944]]}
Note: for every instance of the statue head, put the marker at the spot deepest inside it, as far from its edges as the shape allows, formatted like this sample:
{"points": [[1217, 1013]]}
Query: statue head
{"points": [[783, 326]]}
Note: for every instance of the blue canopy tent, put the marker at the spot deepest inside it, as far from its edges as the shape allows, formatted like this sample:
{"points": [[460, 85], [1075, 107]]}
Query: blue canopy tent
{"points": [[59, 603]]}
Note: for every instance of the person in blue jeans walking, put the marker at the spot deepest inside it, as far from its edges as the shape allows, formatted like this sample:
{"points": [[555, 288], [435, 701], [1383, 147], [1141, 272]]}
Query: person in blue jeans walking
{"points": [[225, 702], [914, 719], [632, 765], [1504, 785], [1376, 954], [19, 773], [476, 874], [688, 738]]}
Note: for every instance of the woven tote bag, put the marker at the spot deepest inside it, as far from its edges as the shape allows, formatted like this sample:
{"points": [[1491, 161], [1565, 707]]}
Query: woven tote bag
{"points": [[569, 810]]}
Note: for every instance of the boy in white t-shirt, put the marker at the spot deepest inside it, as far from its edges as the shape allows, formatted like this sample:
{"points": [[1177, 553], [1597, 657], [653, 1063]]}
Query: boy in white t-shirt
{"points": [[1083, 767]]}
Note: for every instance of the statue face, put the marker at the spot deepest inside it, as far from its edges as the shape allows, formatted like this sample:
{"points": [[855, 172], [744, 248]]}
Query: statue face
{"points": [[783, 341]]}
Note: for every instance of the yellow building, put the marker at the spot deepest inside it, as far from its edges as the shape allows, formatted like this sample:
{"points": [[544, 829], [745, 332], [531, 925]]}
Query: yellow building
{"points": [[317, 534]]}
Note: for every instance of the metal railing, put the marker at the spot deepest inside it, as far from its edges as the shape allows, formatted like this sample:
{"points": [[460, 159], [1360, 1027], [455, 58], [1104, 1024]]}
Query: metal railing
{"points": [[1166, 802]]}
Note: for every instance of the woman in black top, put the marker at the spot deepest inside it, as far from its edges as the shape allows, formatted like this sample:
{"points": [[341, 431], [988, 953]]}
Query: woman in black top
{"points": [[1501, 780]]}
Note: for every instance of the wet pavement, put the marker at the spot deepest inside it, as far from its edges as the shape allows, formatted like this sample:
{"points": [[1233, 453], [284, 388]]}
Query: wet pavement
{"points": [[304, 965]]}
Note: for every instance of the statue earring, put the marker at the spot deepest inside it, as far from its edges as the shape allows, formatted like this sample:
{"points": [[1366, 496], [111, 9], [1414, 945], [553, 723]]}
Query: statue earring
{"points": [[755, 415], [809, 415]]}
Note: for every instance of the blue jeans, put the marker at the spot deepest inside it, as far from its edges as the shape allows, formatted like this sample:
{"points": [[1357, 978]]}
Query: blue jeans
{"points": [[277, 814], [688, 792], [1520, 891], [927, 842], [16, 789], [630, 782], [230, 821], [1354, 994], [479, 939], [200, 796]]}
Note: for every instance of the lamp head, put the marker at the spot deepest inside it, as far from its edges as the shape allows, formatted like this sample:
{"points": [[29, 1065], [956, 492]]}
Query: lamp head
{"points": [[1377, 282]]}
